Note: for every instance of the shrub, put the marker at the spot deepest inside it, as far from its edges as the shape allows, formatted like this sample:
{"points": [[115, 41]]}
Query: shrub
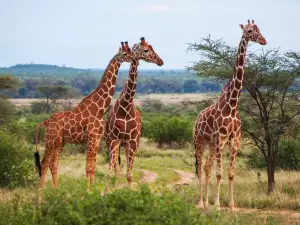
{"points": [[7, 109], [123, 206], [166, 130], [39, 107], [288, 156], [17, 168]]}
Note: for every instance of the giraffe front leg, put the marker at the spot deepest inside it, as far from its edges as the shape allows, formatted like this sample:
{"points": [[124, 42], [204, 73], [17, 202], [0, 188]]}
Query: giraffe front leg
{"points": [[198, 156], [233, 152], [54, 166], [93, 148], [219, 171], [113, 152], [131, 149]]}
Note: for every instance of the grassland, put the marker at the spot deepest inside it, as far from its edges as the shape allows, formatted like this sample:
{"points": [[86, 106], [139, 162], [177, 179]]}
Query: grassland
{"points": [[170, 170]]}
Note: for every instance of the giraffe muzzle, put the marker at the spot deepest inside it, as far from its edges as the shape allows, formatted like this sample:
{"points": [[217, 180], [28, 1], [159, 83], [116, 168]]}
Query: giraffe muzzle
{"points": [[160, 62]]}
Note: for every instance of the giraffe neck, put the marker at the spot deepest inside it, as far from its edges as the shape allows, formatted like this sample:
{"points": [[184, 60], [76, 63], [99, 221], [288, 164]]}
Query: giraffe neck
{"points": [[102, 95], [128, 93], [235, 85]]}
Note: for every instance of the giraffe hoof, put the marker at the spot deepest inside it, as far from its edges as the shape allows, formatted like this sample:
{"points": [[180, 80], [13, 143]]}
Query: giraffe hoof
{"points": [[200, 205], [231, 207], [206, 204]]}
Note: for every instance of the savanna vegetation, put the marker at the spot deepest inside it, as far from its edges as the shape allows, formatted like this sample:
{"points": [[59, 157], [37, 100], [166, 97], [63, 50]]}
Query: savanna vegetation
{"points": [[166, 189]]}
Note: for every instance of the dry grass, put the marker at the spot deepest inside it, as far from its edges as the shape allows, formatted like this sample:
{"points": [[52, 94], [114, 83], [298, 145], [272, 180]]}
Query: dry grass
{"points": [[166, 98]]}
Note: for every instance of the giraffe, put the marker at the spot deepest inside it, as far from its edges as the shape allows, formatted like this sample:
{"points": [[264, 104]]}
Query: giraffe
{"points": [[83, 124], [220, 124], [123, 124]]}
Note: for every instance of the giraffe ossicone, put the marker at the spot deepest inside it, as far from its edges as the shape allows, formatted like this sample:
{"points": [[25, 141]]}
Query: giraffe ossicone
{"points": [[220, 124]]}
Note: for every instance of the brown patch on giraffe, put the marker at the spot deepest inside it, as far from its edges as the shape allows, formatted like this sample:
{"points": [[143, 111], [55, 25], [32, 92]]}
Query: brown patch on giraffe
{"points": [[233, 102], [223, 130], [111, 92], [234, 94], [226, 111], [242, 49], [222, 101], [238, 85], [218, 114], [96, 97], [226, 122], [241, 60], [104, 88], [239, 74], [210, 121]]}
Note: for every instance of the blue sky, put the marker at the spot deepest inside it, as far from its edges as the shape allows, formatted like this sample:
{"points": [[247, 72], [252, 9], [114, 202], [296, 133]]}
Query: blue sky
{"points": [[87, 33]]}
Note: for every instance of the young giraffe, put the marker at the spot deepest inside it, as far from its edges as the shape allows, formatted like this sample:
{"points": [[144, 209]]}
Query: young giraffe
{"points": [[123, 126], [83, 124], [220, 123]]}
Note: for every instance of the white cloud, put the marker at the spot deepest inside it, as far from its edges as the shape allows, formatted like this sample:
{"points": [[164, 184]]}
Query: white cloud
{"points": [[153, 8]]}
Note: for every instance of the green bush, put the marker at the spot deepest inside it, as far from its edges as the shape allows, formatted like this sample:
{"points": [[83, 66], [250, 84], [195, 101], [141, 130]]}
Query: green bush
{"points": [[75, 206], [167, 130], [17, 168], [288, 156], [39, 107], [7, 110]]}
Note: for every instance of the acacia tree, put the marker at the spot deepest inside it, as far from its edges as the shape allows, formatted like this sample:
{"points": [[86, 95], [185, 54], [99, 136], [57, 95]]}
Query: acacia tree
{"points": [[52, 93], [270, 105]]}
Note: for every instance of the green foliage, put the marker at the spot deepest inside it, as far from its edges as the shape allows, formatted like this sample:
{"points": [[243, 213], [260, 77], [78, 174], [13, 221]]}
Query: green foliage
{"points": [[7, 110], [165, 129], [125, 206], [8, 82], [39, 107], [25, 128], [17, 167], [288, 156]]}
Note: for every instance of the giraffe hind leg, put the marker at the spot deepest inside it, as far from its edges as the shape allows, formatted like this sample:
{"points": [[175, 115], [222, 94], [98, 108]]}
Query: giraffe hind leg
{"points": [[199, 149], [208, 166], [45, 165], [54, 166]]}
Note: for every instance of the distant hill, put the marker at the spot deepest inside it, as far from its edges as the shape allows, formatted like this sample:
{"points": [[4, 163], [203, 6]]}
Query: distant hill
{"points": [[38, 70], [44, 69]]}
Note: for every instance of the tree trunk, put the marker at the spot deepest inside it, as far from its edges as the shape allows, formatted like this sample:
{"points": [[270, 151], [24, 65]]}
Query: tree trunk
{"points": [[271, 175]]}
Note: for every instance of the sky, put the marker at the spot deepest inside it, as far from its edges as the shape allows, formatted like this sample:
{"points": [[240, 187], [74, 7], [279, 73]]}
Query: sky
{"points": [[87, 33]]}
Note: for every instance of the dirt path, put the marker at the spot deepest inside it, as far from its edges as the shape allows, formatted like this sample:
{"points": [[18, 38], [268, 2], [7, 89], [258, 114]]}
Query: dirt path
{"points": [[148, 176], [186, 178], [288, 213]]}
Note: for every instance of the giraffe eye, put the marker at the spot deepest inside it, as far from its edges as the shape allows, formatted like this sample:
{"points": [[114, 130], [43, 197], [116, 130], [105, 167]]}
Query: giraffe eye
{"points": [[146, 50], [249, 31]]}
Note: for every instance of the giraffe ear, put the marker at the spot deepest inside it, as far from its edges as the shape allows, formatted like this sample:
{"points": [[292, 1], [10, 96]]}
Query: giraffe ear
{"points": [[242, 26]]}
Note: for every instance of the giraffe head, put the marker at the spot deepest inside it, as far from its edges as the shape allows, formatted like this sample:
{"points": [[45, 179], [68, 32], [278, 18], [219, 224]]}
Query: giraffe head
{"points": [[124, 54], [144, 51], [252, 33]]}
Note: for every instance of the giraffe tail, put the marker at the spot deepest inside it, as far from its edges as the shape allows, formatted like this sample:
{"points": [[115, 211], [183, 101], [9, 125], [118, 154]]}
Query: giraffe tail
{"points": [[119, 158], [37, 154], [196, 166]]}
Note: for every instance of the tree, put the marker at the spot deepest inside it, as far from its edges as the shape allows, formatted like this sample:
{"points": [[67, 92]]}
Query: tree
{"points": [[69, 97], [8, 82], [7, 109], [269, 107], [52, 93]]}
